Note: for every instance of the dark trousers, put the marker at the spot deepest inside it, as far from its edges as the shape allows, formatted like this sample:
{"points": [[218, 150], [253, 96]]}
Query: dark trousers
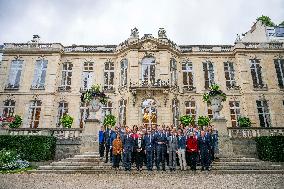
{"points": [[139, 156], [149, 157], [108, 150], [192, 160], [205, 159], [116, 160], [212, 157], [127, 159], [161, 150], [101, 149]]}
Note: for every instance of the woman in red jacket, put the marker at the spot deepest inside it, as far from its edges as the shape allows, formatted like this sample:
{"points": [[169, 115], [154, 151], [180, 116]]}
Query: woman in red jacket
{"points": [[192, 149]]}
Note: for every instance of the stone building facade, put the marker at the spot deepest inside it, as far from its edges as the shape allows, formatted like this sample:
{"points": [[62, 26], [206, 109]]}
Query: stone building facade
{"points": [[144, 76]]}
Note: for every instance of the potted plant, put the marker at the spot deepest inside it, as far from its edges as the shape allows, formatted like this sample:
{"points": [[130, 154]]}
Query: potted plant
{"points": [[109, 120], [187, 120], [11, 121], [214, 98], [244, 121], [203, 121], [95, 98], [66, 121]]}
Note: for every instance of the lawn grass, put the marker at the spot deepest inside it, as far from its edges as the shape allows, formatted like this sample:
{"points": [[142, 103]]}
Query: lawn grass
{"points": [[17, 170]]}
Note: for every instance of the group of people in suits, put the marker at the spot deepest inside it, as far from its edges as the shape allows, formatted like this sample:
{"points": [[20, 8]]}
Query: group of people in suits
{"points": [[160, 145]]}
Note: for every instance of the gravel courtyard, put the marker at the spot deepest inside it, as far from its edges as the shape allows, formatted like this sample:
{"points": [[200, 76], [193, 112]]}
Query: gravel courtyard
{"points": [[149, 181]]}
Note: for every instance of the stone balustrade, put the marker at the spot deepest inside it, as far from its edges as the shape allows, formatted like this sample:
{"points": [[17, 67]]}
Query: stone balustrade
{"points": [[236, 132], [41, 46], [59, 133], [155, 84]]}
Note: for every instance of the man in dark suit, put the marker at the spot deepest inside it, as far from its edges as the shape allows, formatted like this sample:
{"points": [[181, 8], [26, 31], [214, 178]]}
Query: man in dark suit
{"points": [[204, 149], [108, 142], [161, 146], [149, 149], [172, 150], [139, 148], [128, 144]]}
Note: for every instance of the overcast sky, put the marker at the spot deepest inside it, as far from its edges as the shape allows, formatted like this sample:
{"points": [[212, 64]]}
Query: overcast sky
{"points": [[110, 21]]}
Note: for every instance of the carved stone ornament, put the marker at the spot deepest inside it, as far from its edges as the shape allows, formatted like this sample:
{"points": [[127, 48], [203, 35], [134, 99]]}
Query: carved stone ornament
{"points": [[134, 33], [162, 33], [149, 46]]}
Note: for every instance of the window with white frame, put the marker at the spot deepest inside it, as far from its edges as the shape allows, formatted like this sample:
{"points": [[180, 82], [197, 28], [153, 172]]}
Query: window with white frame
{"points": [[122, 112], [34, 113], [8, 108], [187, 75], [256, 74], [62, 109], [279, 66], [15, 74], [84, 113], [235, 112], [109, 76], [107, 109], [39, 74], [190, 108], [208, 74], [87, 76], [173, 71], [66, 76], [263, 113], [229, 74], [148, 70], [123, 72], [175, 110]]}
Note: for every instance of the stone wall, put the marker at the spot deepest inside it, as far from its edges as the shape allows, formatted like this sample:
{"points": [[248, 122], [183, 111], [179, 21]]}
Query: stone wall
{"points": [[66, 148], [244, 147]]}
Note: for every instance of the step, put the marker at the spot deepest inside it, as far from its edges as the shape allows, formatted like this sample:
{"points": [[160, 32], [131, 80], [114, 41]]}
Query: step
{"points": [[81, 160], [246, 168], [87, 156], [68, 163], [73, 167], [237, 160]]}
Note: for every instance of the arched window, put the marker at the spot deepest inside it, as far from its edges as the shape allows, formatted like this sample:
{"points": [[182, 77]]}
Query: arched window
{"points": [[66, 76], [187, 75], [173, 70], [148, 71], [123, 72], [62, 109], [208, 74], [8, 108], [34, 113], [149, 112]]}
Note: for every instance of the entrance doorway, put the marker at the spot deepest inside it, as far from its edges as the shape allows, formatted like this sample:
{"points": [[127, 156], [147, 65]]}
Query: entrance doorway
{"points": [[149, 112]]}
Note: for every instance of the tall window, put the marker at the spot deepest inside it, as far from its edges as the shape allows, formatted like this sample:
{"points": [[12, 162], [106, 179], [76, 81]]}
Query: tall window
{"points": [[107, 109], [229, 74], [190, 108], [256, 75], [15, 74], [123, 72], [175, 110], [187, 75], [8, 108], [87, 77], [122, 112], [173, 70], [148, 70], [34, 113], [208, 74], [263, 113], [84, 112], [279, 66], [235, 112], [39, 74], [209, 112], [109, 76], [66, 75], [62, 109]]}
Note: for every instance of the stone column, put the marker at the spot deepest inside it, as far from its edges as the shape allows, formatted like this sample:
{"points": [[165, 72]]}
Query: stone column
{"points": [[89, 139], [224, 142]]}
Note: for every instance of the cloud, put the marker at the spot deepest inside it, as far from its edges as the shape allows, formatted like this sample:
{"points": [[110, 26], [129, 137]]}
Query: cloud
{"points": [[109, 21]]}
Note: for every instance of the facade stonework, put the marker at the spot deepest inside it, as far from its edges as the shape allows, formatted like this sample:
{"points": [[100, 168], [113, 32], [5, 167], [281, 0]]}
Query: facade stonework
{"points": [[172, 77]]}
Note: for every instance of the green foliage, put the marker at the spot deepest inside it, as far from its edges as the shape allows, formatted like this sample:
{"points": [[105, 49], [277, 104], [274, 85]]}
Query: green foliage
{"points": [[270, 148], [7, 156], [17, 122], [214, 90], [203, 121], [282, 23], [266, 20], [94, 92], [66, 121], [187, 120], [30, 147], [109, 120], [244, 122]]}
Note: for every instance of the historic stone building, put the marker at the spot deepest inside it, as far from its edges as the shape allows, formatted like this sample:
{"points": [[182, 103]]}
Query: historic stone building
{"points": [[41, 81]]}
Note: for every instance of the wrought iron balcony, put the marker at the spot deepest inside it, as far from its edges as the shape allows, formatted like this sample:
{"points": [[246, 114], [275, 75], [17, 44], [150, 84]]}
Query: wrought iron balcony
{"points": [[143, 84], [10, 86]]}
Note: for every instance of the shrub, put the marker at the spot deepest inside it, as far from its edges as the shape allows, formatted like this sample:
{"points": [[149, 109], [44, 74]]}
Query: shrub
{"points": [[66, 121], [109, 120], [214, 91], [16, 122], [30, 147], [187, 120], [203, 121], [244, 122], [266, 20], [270, 148], [9, 160]]}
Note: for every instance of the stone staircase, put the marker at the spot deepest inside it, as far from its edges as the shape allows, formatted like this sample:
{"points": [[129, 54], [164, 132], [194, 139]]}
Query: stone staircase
{"points": [[90, 163]]}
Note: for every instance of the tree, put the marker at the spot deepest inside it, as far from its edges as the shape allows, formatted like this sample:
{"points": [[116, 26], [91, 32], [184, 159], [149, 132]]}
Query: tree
{"points": [[282, 23], [266, 20]]}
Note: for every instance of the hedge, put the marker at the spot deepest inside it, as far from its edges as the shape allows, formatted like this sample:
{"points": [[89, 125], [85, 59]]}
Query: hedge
{"points": [[29, 147], [270, 148]]}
